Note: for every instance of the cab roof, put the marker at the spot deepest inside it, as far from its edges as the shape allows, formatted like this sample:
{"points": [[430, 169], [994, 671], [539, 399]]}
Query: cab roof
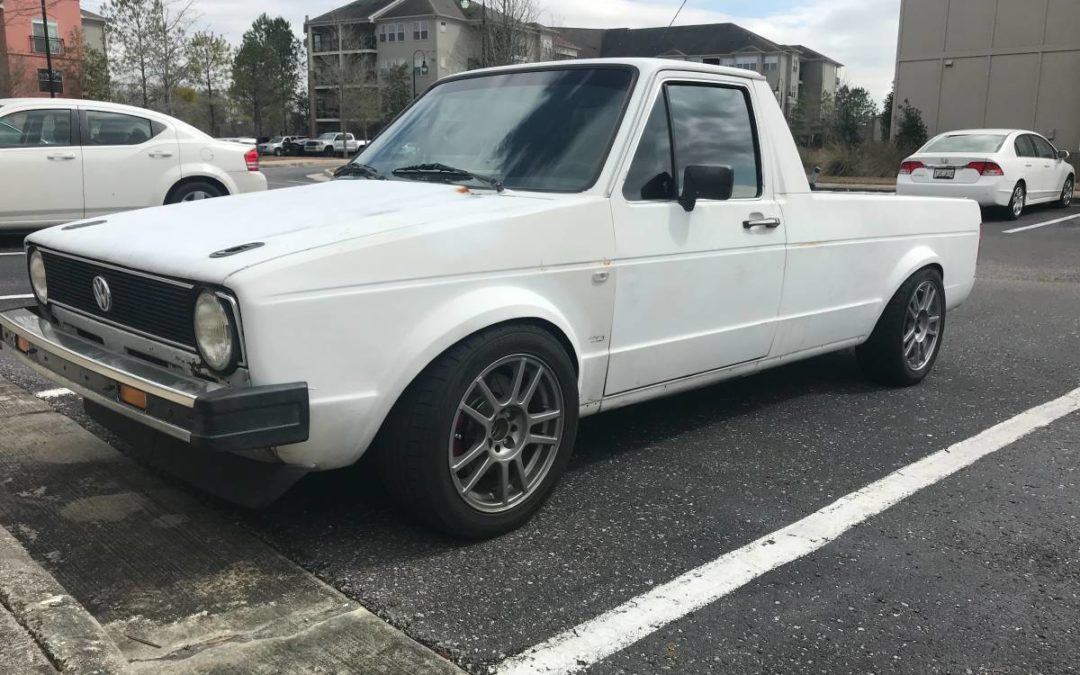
{"points": [[646, 67]]}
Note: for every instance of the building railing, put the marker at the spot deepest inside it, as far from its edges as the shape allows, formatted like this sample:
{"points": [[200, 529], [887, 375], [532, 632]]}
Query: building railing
{"points": [[328, 43], [37, 45]]}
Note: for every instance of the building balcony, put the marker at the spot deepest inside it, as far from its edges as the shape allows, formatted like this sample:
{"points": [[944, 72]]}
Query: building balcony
{"points": [[38, 43]]}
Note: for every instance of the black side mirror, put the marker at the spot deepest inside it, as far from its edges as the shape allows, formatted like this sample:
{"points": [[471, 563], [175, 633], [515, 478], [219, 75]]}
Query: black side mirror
{"points": [[706, 182], [1064, 155]]}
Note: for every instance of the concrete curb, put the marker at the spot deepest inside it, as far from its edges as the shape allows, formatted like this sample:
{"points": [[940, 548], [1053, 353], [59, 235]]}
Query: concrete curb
{"points": [[70, 637]]}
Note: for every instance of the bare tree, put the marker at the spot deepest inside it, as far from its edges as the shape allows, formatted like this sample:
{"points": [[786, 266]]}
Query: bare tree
{"points": [[210, 61], [356, 87], [509, 32], [131, 42], [171, 20]]}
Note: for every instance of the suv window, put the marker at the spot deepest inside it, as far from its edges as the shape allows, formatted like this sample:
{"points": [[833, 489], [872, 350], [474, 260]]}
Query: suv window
{"points": [[36, 128], [1043, 148], [1024, 147], [109, 128], [712, 125]]}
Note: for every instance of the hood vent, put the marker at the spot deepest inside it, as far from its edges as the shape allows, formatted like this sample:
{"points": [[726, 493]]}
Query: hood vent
{"points": [[236, 250]]}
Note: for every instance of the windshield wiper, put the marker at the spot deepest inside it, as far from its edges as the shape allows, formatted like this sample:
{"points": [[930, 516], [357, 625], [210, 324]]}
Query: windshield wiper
{"points": [[447, 172], [362, 170]]}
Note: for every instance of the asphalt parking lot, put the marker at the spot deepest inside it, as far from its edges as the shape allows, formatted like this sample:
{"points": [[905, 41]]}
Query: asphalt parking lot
{"points": [[979, 572]]}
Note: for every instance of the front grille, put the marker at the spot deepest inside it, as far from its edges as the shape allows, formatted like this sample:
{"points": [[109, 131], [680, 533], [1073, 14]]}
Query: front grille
{"points": [[151, 306]]}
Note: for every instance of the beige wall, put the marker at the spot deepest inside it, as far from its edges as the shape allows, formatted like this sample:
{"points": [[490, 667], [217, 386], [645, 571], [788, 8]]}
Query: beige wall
{"points": [[992, 63], [94, 34]]}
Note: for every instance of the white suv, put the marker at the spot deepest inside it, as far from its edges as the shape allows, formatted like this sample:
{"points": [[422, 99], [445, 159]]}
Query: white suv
{"points": [[62, 160], [330, 144]]}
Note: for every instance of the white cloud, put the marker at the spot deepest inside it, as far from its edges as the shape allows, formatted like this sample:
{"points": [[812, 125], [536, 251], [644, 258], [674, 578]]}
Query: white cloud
{"points": [[861, 34]]}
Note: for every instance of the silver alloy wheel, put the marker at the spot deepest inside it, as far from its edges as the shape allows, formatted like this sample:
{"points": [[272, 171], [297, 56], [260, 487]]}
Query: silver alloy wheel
{"points": [[922, 325], [1067, 193], [1018, 200], [197, 195], [506, 433]]}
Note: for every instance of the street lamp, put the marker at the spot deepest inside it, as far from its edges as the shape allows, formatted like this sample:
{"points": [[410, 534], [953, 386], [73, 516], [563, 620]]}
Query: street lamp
{"points": [[423, 68]]}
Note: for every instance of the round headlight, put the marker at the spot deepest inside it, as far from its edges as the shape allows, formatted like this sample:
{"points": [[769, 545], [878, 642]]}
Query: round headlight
{"points": [[37, 277], [214, 332]]}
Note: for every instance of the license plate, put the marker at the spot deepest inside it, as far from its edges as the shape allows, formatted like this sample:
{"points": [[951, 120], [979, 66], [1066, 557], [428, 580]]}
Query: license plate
{"points": [[944, 174]]}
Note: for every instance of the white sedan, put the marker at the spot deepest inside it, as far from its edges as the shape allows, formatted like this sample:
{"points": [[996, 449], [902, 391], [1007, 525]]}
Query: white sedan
{"points": [[63, 160], [995, 167]]}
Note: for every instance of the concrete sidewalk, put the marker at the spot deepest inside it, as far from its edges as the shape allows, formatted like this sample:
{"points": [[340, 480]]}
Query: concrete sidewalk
{"points": [[130, 573]]}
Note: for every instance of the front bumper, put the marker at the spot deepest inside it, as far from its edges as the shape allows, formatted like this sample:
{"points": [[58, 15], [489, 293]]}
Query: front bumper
{"points": [[197, 412]]}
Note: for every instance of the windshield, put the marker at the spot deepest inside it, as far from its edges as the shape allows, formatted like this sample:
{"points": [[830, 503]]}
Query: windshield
{"points": [[966, 143], [327, 137], [546, 130], [276, 139]]}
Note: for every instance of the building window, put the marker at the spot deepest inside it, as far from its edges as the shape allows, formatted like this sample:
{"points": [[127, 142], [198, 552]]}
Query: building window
{"points": [[57, 80], [747, 62], [39, 37], [712, 61], [420, 30], [382, 33], [392, 32], [772, 64]]}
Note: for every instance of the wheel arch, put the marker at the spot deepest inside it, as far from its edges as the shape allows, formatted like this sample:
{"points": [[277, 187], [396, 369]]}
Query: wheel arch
{"points": [[187, 180], [917, 260], [456, 322]]}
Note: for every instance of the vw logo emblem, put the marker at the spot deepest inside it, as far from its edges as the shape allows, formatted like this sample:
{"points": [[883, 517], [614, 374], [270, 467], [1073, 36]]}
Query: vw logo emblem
{"points": [[102, 294]]}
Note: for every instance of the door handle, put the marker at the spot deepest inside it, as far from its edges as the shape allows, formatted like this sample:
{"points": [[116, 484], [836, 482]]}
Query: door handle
{"points": [[160, 154], [771, 223], [61, 157]]}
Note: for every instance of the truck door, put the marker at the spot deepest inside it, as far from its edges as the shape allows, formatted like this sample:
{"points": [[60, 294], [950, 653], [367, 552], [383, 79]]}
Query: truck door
{"points": [[696, 290]]}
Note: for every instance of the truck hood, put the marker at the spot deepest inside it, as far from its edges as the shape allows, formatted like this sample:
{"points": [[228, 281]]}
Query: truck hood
{"points": [[178, 240]]}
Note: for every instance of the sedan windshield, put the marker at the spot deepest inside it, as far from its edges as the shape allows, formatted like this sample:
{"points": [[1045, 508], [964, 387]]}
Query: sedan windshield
{"points": [[988, 143], [544, 130]]}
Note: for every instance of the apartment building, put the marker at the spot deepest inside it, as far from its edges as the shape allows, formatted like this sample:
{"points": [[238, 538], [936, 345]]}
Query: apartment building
{"points": [[24, 35], [350, 46], [793, 71], [992, 63]]}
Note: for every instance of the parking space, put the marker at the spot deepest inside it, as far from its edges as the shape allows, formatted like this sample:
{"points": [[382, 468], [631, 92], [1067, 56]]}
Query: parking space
{"points": [[977, 572]]}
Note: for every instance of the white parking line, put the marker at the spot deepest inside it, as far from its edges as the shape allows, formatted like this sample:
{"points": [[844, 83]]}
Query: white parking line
{"points": [[54, 393], [599, 638], [16, 297], [1038, 225]]}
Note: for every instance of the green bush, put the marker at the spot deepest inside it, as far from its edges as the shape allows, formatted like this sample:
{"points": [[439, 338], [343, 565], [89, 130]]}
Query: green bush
{"points": [[870, 160]]}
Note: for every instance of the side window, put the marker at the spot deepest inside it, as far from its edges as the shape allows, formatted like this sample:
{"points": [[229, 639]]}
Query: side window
{"points": [[108, 128], [1043, 148], [1024, 146], [713, 126], [36, 128], [651, 174]]}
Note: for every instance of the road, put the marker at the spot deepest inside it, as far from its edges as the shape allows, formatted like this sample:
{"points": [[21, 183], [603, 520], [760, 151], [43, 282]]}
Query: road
{"points": [[979, 572]]}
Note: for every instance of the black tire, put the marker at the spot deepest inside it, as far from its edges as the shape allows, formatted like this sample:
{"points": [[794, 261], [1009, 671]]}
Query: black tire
{"points": [[883, 356], [278, 152], [329, 152], [1011, 211], [1066, 194], [192, 189], [412, 446]]}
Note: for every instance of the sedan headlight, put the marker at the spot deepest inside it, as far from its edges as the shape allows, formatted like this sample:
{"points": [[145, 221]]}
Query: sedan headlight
{"points": [[214, 332], [37, 277]]}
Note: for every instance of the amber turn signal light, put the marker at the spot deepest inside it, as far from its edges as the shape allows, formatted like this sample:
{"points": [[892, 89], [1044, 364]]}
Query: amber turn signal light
{"points": [[133, 397], [23, 344]]}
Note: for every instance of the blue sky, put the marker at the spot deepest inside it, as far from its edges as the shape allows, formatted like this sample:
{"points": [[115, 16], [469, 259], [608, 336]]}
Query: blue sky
{"points": [[861, 34]]}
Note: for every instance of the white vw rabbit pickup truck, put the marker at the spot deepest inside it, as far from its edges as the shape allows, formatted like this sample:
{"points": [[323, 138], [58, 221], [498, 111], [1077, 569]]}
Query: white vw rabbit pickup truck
{"points": [[520, 248]]}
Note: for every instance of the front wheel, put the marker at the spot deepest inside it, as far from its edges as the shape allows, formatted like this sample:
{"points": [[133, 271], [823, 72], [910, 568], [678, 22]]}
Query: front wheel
{"points": [[1067, 193], [905, 344], [329, 152], [478, 442], [278, 152]]}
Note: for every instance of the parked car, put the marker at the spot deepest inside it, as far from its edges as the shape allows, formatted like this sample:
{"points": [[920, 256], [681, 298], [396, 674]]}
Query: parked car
{"points": [[63, 160], [331, 144], [295, 146], [455, 312], [1004, 168], [276, 145]]}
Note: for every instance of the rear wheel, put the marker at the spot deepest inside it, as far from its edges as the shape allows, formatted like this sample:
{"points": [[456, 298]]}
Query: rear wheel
{"points": [[905, 344], [278, 152], [1015, 209], [1067, 193], [193, 192], [478, 442]]}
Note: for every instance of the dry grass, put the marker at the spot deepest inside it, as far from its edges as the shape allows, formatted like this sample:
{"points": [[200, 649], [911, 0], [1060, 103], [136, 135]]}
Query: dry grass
{"points": [[869, 161]]}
